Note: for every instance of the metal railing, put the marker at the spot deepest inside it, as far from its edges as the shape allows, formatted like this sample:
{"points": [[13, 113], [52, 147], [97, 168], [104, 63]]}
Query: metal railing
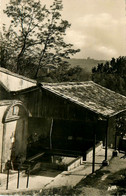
{"points": [[26, 166], [20, 167]]}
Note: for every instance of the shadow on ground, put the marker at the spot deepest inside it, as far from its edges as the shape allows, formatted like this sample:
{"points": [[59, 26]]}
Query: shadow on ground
{"points": [[104, 180]]}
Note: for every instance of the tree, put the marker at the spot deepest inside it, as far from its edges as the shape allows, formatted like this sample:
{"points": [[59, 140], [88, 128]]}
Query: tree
{"points": [[7, 49], [36, 36], [112, 74], [26, 19], [63, 74]]}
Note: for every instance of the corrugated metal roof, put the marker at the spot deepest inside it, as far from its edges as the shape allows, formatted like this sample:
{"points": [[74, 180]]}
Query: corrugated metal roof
{"points": [[90, 95]]}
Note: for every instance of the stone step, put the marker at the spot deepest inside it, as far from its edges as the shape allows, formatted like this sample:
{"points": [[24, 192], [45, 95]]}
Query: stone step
{"points": [[59, 163]]}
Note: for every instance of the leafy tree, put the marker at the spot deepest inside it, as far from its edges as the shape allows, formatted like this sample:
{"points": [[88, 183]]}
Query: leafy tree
{"points": [[112, 74], [63, 74], [121, 124], [35, 37]]}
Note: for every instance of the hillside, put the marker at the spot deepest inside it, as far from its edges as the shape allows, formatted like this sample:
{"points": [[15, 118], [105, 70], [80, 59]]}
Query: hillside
{"points": [[86, 64]]}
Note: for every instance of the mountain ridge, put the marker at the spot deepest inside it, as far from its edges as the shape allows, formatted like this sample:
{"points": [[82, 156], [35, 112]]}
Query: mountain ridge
{"points": [[86, 64]]}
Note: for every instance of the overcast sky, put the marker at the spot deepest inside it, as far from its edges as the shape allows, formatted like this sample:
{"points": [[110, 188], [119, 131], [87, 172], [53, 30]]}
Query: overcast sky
{"points": [[98, 27]]}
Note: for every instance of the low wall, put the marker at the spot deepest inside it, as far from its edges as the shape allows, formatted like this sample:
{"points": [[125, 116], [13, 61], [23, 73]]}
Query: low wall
{"points": [[98, 147]]}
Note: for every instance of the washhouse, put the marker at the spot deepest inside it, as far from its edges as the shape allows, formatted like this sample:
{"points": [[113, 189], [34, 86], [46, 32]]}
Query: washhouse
{"points": [[66, 117], [61, 118]]}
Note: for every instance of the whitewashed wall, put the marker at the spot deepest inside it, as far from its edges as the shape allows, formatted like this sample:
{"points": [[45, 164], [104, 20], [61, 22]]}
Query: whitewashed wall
{"points": [[2, 110], [14, 82]]}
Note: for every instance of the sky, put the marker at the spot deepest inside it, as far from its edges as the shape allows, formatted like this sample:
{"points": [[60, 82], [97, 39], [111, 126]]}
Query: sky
{"points": [[98, 27]]}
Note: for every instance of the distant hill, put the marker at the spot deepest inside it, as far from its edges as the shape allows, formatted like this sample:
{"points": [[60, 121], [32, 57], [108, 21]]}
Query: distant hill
{"points": [[86, 64]]}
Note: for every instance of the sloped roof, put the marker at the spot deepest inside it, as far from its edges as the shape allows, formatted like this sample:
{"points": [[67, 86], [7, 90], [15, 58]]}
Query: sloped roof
{"points": [[9, 102], [13, 82], [6, 71], [91, 96]]}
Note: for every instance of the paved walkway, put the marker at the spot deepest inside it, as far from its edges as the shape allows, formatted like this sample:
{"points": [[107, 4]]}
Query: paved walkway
{"points": [[53, 178]]}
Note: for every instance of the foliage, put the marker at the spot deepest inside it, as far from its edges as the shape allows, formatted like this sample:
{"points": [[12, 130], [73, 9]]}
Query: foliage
{"points": [[121, 124], [86, 64], [35, 37], [63, 73], [111, 74], [115, 66]]}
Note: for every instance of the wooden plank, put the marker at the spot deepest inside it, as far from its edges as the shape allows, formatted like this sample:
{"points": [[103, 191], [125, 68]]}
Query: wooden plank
{"points": [[35, 157]]}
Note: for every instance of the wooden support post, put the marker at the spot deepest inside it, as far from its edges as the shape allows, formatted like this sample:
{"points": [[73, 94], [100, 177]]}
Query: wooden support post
{"points": [[93, 160], [115, 152], [18, 178], [115, 141], [51, 134], [106, 144], [28, 173], [7, 179], [105, 162]]}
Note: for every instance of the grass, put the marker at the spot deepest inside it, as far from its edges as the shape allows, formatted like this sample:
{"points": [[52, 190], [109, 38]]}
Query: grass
{"points": [[119, 179]]}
